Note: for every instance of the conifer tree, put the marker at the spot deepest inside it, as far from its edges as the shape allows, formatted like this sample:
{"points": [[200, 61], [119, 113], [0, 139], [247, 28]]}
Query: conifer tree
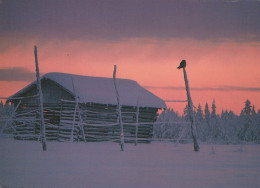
{"points": [[247, 109], [200, 123], [207, 112], [199, 114], [207, 119], [246, 120], [186, 113], [213, 108], [1, 108], [224, 115], [253, 112]]}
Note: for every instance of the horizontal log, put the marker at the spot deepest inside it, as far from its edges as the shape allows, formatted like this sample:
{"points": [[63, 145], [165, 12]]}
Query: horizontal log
{"points": [[98, 121]]}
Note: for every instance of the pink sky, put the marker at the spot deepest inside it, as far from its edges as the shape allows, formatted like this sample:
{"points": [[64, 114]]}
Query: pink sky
{"points": [[225, 71]]}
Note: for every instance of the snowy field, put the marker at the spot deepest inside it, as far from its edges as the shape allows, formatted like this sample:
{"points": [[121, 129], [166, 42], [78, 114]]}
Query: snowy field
{"points": [[103, 165]]}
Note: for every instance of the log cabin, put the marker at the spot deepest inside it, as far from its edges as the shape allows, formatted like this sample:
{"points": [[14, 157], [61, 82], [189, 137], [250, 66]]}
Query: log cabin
{"points": [[84, 108]]}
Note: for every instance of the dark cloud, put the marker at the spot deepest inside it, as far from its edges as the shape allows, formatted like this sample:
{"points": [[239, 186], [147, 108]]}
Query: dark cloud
{"points": [[113, 19], [16, 74], [220, 88]]}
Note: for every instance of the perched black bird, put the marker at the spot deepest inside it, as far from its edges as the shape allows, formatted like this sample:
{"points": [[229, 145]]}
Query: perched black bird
{"points": [[182, 64]]}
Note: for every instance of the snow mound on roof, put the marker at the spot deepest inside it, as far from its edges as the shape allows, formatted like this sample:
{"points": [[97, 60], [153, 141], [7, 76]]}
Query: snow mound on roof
{"points": [[101, 90]]}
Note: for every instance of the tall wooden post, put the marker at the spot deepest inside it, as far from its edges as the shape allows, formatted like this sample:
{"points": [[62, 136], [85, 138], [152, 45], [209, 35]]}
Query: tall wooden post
{"points": [[190, 108], [122, 139], [42, 124]]}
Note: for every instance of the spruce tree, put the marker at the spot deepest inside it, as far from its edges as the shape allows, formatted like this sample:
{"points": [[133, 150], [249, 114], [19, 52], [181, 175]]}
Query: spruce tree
{"points": [[186, 113], [246, 120], [247, 109], [199, 114], [200, 123], [207, 119], [213, 108], [253, 112]]}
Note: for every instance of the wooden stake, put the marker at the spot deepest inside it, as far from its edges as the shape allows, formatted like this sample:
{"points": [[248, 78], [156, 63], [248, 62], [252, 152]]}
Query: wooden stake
{"points": [[74, 115], [191, 113], [122, 139], [42, 124], [137, 122], [73, 124], [81, 125], [77, 109]]}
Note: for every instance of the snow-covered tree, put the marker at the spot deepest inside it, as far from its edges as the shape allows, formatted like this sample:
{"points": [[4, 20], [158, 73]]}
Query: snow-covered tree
{"points": [[253, 112], [246, 120], [170, 125], [5, 116], [211, 127], [207, 119], [247, 109], [213, 109], [199, 114], [1, 105], [257, 127], [217, 129], [201, 126], [207, 112], [166, 129], [186, 114]]}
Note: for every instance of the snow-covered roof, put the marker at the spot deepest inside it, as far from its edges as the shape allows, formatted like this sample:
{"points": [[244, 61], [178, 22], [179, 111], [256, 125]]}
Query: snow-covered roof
{"points": [[101, 90]]}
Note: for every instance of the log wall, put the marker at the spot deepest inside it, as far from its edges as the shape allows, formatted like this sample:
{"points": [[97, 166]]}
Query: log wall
{"points": [[95, 122]]}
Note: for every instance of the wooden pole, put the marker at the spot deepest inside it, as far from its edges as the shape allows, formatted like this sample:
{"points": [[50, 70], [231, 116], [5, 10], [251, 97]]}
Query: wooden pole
{"points": [[122, 139], [74, 115], [73, 124], [77, 109], [137, 122], [81, 125], [42, 124], [190, 108]]}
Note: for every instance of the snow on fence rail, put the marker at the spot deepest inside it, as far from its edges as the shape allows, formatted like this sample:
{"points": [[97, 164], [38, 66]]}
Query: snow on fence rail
{"points": [[71, 121], [19, 98]]}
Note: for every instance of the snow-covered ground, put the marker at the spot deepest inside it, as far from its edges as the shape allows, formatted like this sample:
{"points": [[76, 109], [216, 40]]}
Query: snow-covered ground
{"points": [[103, 165]]}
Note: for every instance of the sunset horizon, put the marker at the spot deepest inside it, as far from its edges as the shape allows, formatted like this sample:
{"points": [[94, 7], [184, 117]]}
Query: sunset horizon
{"points": [[146, 40], [130, 93]]}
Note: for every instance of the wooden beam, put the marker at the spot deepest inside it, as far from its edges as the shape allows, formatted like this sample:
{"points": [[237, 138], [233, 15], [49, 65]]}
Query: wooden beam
{"points": [[191, 113], [119, 112], [42, 125], [137, 122]]}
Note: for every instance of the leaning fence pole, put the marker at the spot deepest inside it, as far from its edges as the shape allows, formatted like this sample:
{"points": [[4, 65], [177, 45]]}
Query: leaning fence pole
{"points": [[122, 139], [190, 108], [42, 124]]}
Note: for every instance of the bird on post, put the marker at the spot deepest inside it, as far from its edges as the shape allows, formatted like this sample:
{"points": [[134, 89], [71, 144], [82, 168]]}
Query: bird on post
{"points": [[182, 64]]}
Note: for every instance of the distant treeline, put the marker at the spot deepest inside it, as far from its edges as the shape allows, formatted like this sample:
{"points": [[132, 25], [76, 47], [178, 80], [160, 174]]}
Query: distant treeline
{"points": [[211, 128], [227, 127]]}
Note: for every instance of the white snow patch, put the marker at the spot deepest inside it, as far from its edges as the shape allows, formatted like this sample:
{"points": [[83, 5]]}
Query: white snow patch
{"points": [[103, 165]]}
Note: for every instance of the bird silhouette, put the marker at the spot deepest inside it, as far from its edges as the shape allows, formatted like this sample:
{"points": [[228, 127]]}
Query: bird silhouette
{"points": [[182, 64]]}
